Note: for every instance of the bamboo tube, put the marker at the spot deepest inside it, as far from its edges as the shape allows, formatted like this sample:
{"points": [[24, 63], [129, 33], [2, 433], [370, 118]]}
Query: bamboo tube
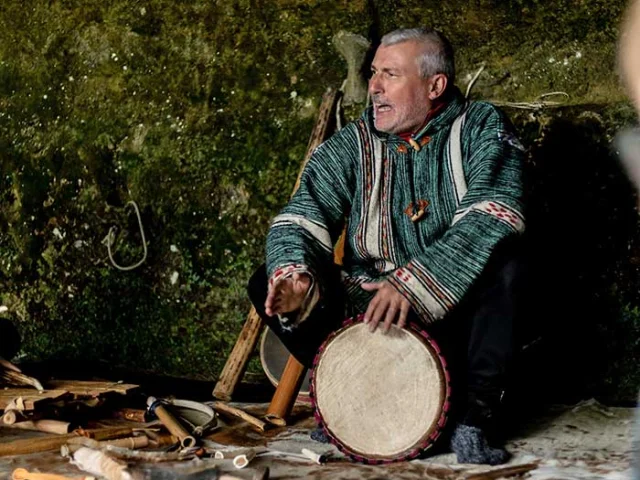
{"points": [[131, 443], [242, 460], [236, 412], [47, 426], [286, 393], [12, 416], [162, 440], [171, 423]]}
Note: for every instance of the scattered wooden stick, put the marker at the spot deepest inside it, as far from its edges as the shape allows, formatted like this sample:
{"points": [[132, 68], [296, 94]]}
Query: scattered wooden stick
{"points": [[161, 440], [236, 412], [23, 474], [45, 444], [129, 443], [503, 472], [115, 450], [131, 414], [106, 433]]}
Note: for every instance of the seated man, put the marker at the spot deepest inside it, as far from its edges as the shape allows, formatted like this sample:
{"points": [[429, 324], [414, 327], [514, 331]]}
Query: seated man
{"points": [[429, 186]]}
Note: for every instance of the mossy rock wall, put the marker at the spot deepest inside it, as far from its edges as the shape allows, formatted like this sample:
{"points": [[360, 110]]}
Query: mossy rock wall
{"points": [[200, 112]]}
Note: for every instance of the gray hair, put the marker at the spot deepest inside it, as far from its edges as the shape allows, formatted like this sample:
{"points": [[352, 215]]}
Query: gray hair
{"points": [[437, 58]]}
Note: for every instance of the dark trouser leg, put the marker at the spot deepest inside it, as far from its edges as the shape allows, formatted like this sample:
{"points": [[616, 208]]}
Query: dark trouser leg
{"points": [[477, 340], [304, 340]]}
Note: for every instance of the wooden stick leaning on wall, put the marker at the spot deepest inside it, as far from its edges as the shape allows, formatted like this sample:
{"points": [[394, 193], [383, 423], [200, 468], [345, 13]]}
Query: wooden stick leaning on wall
{"points": [[239, 357], [245, 345]]}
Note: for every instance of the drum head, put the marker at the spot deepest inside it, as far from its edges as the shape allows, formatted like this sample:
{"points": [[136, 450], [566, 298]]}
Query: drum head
{"points": [[380, 398], [273, 357]]}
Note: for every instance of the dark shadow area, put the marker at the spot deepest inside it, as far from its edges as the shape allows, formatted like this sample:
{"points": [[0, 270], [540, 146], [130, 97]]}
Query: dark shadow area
{"points": [[9, 339], [581, 237]]}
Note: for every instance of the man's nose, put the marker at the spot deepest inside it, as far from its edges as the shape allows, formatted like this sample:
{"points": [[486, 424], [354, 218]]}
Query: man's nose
{"points": [[375, 85]]}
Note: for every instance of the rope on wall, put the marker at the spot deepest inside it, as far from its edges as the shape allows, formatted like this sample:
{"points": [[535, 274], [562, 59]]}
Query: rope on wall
{"points": [[110, 240]]}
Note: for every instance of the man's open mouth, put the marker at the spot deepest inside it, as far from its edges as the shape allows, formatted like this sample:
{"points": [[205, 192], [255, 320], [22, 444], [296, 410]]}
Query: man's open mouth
{"points": [[382, 107]]}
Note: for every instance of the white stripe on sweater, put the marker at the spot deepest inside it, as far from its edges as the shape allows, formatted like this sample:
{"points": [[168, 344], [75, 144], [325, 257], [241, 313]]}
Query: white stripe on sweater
{"points": [[455, 158], [317, 231]]}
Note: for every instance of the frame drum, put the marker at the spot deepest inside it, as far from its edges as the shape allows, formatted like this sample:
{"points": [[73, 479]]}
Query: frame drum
{"points": [[380, 397]]}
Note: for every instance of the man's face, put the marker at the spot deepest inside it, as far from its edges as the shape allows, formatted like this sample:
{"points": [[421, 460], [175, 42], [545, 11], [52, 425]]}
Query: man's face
{"points": [[399, 94]]}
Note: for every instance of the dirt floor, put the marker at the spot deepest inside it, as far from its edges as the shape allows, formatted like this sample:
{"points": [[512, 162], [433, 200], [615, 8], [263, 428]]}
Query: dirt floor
{"points": [[584, 441]]}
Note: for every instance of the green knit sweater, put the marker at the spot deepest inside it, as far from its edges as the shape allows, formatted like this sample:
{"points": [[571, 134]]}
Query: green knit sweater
{"points": [[376, 182]]}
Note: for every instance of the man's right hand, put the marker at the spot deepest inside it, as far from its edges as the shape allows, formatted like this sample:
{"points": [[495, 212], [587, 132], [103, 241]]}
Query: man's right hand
{"points": [[288, 294]]}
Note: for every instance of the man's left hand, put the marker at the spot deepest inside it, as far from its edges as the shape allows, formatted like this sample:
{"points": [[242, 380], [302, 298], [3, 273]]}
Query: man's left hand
{"points": [[387, 305]]}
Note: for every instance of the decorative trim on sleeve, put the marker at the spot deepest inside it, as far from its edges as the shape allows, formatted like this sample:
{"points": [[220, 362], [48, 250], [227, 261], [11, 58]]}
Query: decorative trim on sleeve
{"points": [[427, 296], [499, 210]]}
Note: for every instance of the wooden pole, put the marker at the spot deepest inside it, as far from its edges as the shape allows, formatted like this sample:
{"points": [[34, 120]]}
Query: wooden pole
{"points": [[286, 393]]}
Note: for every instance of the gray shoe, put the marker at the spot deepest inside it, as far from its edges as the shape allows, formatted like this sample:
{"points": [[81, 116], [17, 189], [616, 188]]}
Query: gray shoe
{"points": [[470, 446]]}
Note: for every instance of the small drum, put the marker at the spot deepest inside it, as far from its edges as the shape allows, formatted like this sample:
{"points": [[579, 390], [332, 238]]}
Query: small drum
{"points": [[380, 398], [273, 357]]}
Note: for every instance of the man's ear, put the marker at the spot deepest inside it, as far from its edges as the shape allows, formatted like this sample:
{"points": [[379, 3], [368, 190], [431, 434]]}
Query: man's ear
{"points": [[438, 85]]}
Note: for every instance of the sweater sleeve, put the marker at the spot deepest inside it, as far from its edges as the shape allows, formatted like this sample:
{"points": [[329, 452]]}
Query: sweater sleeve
{"points": [[490, 211], [302, 235]]}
